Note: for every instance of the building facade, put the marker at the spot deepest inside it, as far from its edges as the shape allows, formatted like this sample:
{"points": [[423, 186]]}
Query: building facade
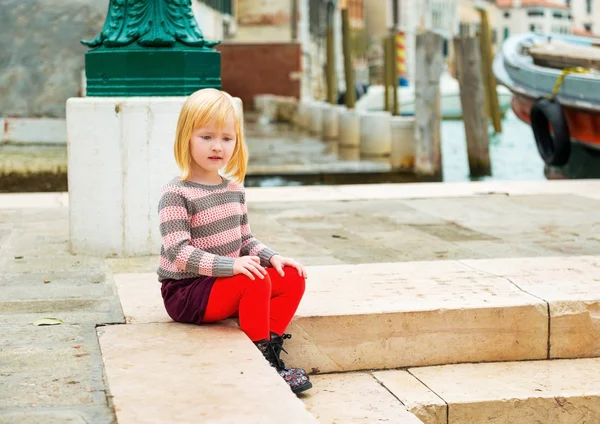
{"points": [[586, 16], [540, 16]]}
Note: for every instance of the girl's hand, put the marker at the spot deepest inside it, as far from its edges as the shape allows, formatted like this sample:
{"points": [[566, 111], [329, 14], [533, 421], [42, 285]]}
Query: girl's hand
{"points": [[279, 262], [249, 266]]}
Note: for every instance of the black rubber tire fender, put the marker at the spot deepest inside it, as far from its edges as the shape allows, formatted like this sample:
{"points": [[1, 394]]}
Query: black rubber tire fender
{"points": [[551, 131]]}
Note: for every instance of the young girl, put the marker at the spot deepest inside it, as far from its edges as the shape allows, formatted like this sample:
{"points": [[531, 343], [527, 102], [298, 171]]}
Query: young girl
{"points": [[211, 267]]}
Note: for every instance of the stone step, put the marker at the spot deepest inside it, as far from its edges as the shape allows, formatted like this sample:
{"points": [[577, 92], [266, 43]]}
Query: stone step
{"points": [[381, 316], [173, 373], [551, 391], [355, 398]]}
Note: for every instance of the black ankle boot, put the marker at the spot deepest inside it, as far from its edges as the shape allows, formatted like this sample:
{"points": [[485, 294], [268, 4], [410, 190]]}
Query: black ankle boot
{"points": [[277, 342], [297, 382]]}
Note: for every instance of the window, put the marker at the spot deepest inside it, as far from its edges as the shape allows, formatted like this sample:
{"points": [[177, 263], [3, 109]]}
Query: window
{"points": [[507, 14], [535, 12], [588, 6], [588, 27], [557, 15], [568, 3], [506, 33], [532, 27]]}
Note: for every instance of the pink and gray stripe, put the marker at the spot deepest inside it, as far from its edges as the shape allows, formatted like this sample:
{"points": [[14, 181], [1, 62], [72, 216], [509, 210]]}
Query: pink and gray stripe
{"points": [[204, 229]]}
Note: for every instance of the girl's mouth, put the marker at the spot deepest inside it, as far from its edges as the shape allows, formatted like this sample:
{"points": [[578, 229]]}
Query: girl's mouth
{"points": [[215, 158]]}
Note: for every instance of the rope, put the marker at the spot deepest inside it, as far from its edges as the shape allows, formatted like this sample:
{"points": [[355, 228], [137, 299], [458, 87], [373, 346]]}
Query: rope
{"points": [[563, 74]]}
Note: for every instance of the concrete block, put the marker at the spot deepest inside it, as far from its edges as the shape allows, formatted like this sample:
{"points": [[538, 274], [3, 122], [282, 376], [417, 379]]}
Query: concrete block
{"points": [[259, 102], [375, 134], [269, 112], [303, 115], [331, 122], [316, 117], [561, 391], [403, 142], [287, 108], [349, 133]]}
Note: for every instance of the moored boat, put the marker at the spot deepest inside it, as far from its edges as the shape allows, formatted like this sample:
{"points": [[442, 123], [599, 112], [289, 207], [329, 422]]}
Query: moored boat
{"points": [[556, 89], [450, 104]]}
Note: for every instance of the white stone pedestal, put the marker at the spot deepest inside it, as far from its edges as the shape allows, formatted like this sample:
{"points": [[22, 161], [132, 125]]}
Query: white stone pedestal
{"points": [[120, 155], [316, 117], [349, 128], [303, 115], [375, 134], [403, 142], [331, 122]]}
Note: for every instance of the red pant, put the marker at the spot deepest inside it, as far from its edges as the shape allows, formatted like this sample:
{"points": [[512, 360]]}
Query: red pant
{"points": [[262, 305]]}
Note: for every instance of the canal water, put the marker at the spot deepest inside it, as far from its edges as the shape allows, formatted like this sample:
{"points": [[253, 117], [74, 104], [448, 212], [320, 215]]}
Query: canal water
{"points": [[513, 152]]}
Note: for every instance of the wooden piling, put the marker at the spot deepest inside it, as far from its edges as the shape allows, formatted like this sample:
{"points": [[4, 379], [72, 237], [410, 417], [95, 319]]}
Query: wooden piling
{"points": [[386, 75], [468, 72], [489, 80], [348, 68], [330, 67], [429, 62], [394, 74]]}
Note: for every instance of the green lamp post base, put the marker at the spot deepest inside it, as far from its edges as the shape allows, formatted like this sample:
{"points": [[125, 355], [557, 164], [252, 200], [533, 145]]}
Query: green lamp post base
{"points": [[150, 48], [151, 71]]}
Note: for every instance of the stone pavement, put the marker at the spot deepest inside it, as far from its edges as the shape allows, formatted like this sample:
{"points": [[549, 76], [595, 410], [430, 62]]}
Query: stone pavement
{"points": [[56, 374]]}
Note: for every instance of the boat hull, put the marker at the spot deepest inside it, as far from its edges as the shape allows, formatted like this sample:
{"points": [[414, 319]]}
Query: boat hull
{"points": [[584, 126]]}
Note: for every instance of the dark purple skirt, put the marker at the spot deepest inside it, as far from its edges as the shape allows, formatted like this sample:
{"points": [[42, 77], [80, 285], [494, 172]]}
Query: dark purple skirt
{"points": [[186, 300]]}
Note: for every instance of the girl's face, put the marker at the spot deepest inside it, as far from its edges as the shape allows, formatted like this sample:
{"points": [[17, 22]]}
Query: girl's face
{"points": [[211, 148]]}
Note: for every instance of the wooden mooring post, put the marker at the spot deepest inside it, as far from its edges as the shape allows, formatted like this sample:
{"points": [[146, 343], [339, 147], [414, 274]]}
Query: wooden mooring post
{"points": [[468, 71], [348, 68], [386, 74], [330, 65], [429, 62], [489, 80]]}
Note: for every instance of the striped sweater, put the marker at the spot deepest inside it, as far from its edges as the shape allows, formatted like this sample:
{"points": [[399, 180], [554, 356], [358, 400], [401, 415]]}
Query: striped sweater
{"points": [[204, 229]]}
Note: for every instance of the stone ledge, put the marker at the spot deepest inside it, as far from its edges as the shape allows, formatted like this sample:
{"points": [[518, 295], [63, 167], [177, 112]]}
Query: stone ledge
{"points": [[586, 188], [378, 316], [33, 200], [571, 286], [190, 374], [559, 391]]}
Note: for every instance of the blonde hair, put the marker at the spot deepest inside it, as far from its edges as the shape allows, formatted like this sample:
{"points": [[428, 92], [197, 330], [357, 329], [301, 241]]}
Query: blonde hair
{"points": [[201, 108]]}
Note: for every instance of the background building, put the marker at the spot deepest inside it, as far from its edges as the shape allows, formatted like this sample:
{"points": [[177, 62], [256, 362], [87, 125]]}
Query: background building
{"points": [[440, 16], [541, 16], [586, 16]]}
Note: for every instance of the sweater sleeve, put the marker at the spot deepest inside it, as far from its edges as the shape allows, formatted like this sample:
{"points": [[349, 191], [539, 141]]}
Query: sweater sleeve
{"points": [[250, 245], [175, 231]]}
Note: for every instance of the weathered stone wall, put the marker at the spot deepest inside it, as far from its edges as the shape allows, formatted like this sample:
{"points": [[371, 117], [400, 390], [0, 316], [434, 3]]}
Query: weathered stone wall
{"points": [[41, 58]]}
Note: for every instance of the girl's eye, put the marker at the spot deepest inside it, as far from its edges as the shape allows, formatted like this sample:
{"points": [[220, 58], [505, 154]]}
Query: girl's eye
{"points": [[227, 139], [206, 137]]}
